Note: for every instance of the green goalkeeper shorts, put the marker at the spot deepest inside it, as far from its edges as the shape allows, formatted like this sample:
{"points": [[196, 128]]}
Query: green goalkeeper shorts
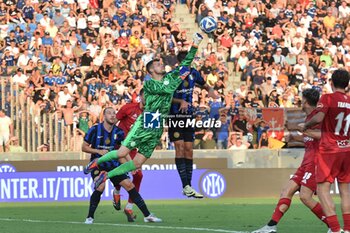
{"points": [[144, 139]]}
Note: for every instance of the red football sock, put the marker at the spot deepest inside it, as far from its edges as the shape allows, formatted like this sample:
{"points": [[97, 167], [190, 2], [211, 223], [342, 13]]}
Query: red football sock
{"points": [[333, 223], [318, 211], [277, 214], [346, 218], [137, 178]]}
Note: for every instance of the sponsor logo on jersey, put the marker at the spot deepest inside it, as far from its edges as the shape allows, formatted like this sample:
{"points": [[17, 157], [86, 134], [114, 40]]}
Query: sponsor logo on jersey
{"points": [[213, 184], [343, 143], [308, 139], [185, 91]]}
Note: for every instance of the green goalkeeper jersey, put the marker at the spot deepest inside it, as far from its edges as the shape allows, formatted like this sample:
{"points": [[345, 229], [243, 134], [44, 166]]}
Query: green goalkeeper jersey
{"points": [[158, 94]]}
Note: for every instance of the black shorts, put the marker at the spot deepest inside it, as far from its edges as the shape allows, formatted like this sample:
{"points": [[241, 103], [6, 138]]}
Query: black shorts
{"points": [[116, 180], [181, 133]]}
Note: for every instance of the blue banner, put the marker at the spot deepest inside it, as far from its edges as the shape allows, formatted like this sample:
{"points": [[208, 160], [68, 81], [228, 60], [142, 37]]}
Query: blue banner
{"points": [[74, 186]]}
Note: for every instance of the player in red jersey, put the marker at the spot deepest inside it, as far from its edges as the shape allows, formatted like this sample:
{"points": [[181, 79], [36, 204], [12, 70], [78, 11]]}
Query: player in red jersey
{"points": [[334, 158], [304, 178], [127, 116]]}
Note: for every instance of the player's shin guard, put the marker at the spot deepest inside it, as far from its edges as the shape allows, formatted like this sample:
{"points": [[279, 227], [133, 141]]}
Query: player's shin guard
{"points": [[138, 200], [278, 214], [112, 155], [122, 169], [136, 180], [181, 168], [189, 170], [346, 218], [94, 200], [318, 211], [333, 223]]}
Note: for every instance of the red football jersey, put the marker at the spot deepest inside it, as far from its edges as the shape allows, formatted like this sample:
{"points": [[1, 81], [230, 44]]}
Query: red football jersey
{"points": [[335, 126], [311, 144], [127, 116]]}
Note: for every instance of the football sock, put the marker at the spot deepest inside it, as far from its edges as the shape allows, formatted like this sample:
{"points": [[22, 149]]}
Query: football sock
{"points": [[136, 180], [139, 202], [346, 218], [278, 214], [189, 169], [116, 195], [181, 168], [333, 223], [318, 211], [122, 169], [108, 157], [129, 206], [94, 200]]}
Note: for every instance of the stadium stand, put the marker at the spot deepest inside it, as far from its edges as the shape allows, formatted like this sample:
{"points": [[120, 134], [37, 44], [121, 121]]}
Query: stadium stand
{"points": [[62, 62]]}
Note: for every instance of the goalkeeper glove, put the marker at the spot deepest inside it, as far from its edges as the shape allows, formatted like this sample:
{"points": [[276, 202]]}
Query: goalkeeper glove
{"points": [[197, 38]]}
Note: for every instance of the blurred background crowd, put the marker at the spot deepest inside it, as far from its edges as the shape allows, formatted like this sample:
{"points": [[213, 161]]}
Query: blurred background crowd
{"points": [[70, 59]]}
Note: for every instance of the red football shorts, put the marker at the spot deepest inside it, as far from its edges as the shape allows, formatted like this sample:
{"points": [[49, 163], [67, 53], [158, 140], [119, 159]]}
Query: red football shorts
{"points": [[331, 166], [133, 153], [305, 176]]}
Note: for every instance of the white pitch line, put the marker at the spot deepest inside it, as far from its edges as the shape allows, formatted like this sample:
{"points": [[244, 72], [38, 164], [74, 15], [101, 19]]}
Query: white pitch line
{"points": [[123, 225]]}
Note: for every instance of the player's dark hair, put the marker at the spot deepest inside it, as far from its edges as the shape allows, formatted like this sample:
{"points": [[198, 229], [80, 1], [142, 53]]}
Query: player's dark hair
{"points": [[105, 110], [340, 78], [150, 64], [312, 96]]}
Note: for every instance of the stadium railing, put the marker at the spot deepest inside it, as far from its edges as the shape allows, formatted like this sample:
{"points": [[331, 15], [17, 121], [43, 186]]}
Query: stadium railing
{"points": [[33, 130]]}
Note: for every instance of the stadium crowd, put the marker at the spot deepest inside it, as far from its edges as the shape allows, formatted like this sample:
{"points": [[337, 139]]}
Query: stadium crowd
{"points": [[74, 58]]}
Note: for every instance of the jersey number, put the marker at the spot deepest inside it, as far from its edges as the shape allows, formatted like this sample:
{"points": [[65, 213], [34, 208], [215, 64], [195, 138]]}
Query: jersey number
{"points": [[340, 119], [307, 176]]}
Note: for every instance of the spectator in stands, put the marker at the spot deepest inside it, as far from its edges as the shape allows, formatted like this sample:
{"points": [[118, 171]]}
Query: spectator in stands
{"points": [[199, 133], [276, 48], [264, 141], [43, 148], [14, 147], [223, 132], [232, 139], [208, 142], [240, 125], [20, 78], [6, 129], [239, 144]]}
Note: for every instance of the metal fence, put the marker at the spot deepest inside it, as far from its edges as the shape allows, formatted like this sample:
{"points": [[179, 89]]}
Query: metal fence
{"points": [[34, 130]]}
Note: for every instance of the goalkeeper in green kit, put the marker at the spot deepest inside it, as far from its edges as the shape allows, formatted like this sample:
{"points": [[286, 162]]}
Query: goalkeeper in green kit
{"points": [[158, 94]]}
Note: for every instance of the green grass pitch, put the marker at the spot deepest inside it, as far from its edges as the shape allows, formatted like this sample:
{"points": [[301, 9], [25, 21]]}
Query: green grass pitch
{"points": [[207, 215]]}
